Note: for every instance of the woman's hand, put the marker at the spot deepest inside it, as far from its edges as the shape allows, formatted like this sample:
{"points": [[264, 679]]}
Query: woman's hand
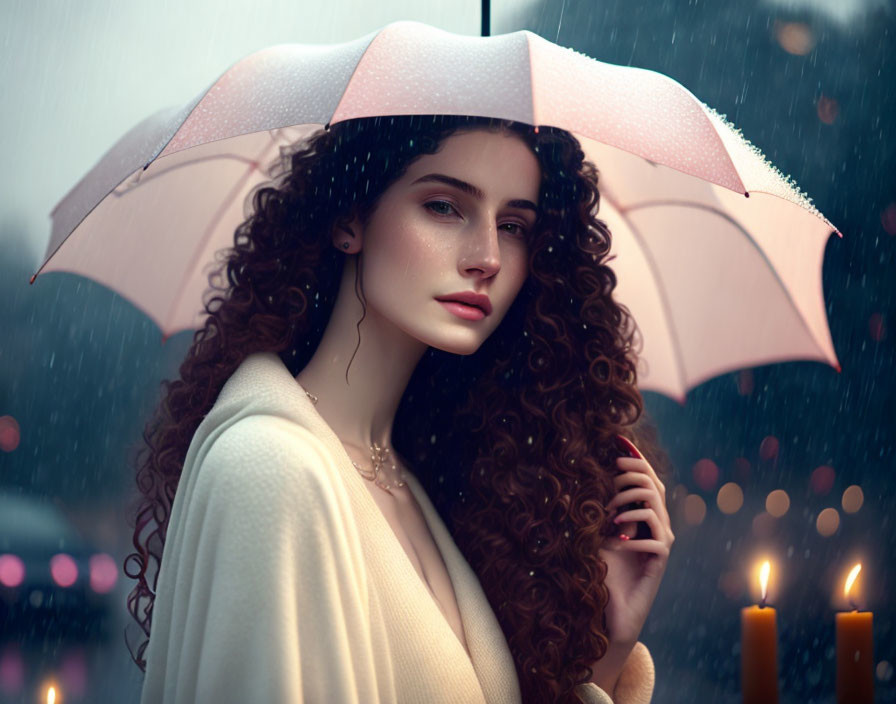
{"points": [[635, 567]]}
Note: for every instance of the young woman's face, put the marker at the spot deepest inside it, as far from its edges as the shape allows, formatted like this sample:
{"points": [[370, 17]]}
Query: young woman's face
{"points": [[432, 237]]}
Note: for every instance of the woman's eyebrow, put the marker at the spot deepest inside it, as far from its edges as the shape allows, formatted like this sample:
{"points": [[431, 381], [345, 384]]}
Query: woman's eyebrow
{"points": [[471, 190]]}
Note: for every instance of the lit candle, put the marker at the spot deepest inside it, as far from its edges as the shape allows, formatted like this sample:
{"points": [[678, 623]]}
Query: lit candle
{"points": [[855, 646], [759, 649]]}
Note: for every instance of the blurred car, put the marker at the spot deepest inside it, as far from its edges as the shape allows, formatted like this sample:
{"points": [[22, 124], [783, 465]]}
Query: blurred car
{"points": [[51, 578]]}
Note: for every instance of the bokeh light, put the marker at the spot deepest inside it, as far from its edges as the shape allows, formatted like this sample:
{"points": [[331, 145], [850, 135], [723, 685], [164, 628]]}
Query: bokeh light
{"points": [[706, 474], [103, 573], [10, 434], [888, 219], [63, 569], [853, 498], [876, 327], [12, 670], [742, 469], [777, 503], [73, 674], [768, 448], [828, 109], [730, 498], [884, 671], [694, 510], [822, 479], [827, 522], [764, 525], [794, 37], [12, 570]]}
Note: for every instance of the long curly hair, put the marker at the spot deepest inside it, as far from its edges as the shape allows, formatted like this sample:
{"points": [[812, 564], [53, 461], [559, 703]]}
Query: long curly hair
{"points": [[521, 468]]}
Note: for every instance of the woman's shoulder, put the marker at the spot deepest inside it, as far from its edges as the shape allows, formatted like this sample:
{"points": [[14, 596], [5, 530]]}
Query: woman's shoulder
{"points": [[267, 454]]}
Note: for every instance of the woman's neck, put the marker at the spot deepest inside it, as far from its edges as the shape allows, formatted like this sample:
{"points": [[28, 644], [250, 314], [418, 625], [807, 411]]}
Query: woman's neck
{"points": [[361, 410]]}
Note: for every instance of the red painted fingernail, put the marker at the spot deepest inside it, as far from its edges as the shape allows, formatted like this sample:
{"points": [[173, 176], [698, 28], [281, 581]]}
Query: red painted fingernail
{"points": [[629, 445], [623, 536]]}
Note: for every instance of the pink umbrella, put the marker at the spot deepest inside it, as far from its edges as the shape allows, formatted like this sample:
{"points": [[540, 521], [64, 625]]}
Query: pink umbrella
{"points": [[718, 255]]}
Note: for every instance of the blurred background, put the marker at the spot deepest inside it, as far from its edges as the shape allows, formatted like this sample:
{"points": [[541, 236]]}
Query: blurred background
{"points": [[791, 461]]}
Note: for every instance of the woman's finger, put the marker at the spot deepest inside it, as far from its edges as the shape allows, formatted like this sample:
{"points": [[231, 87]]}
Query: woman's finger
{"points": [[655, 547], [628, 479], [648, 516], [629, 447], [633, 464], [647, 479], [648, 495], [631, 495]]}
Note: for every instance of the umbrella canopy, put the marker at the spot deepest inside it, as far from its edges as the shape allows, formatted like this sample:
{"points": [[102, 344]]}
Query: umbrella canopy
{"points": [[718, 255]]}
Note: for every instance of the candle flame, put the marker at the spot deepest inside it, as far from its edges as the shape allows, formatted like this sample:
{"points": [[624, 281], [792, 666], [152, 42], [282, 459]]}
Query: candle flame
{"points": [[763, 578], [852, 578], [51, 695]]}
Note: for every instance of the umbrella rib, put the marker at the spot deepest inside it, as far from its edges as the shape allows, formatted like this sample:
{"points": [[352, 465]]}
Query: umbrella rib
{"points": [[663, 297], [213, 223], [187, 162], [140, 180], [738, 226], [348, 83], [622, 210]]}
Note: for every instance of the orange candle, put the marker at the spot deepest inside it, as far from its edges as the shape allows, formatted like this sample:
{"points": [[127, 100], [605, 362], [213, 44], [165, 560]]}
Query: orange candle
{"points": [[855, 648], [759, 649]]}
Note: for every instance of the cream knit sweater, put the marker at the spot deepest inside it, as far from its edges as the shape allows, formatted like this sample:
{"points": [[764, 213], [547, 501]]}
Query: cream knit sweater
{"points": [[282, 582]]}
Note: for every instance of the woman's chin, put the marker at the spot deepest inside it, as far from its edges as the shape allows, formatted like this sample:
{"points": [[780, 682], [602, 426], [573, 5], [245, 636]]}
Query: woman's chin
{"points": [[458, 347]]}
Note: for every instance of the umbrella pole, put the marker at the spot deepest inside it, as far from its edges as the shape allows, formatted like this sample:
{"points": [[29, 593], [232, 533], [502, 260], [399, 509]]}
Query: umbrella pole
{"points": [[485, 18]]}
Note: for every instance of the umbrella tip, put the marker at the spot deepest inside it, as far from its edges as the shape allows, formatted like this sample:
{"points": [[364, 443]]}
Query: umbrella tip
{"points": [[838, 368], [33, 277], [746, 194]]}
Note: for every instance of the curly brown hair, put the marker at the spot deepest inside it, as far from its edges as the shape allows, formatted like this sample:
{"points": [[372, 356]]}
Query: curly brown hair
{"points": [[532, 412]]}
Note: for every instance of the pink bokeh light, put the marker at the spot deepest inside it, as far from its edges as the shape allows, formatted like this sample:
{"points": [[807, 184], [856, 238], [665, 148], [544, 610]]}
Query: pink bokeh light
{"points": [[706, 474], [888, 219], [828, 109], [73, 673], [12, 671], [63, 569], [822, 479], [12, 570], [742, 469], [768, 448], [103, 573], [10, 434]]}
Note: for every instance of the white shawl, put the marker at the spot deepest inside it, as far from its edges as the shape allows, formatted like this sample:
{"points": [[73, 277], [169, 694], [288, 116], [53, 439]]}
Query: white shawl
{"points": [[282, 582]]}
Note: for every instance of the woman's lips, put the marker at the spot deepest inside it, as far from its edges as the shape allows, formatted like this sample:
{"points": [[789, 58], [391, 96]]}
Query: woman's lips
{"points": [[462, 310]]}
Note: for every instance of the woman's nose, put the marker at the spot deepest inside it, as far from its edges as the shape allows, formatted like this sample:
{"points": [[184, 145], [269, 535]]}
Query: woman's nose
{"points": [[482, 250]]}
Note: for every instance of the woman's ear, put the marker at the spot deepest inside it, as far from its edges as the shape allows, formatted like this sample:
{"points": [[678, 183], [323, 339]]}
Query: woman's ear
{"points": [[347, 234]]}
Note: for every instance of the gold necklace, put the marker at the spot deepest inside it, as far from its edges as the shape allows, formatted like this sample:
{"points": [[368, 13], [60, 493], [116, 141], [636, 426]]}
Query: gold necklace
{"points": [[377, 456]]}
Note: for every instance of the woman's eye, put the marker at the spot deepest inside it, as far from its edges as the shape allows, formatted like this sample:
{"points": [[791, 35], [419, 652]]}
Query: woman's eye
{"points": [[438, 211], [520, 230]]}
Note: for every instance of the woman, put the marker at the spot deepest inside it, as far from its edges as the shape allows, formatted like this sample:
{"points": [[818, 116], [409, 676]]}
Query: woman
{"points": [[335, 370]]}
